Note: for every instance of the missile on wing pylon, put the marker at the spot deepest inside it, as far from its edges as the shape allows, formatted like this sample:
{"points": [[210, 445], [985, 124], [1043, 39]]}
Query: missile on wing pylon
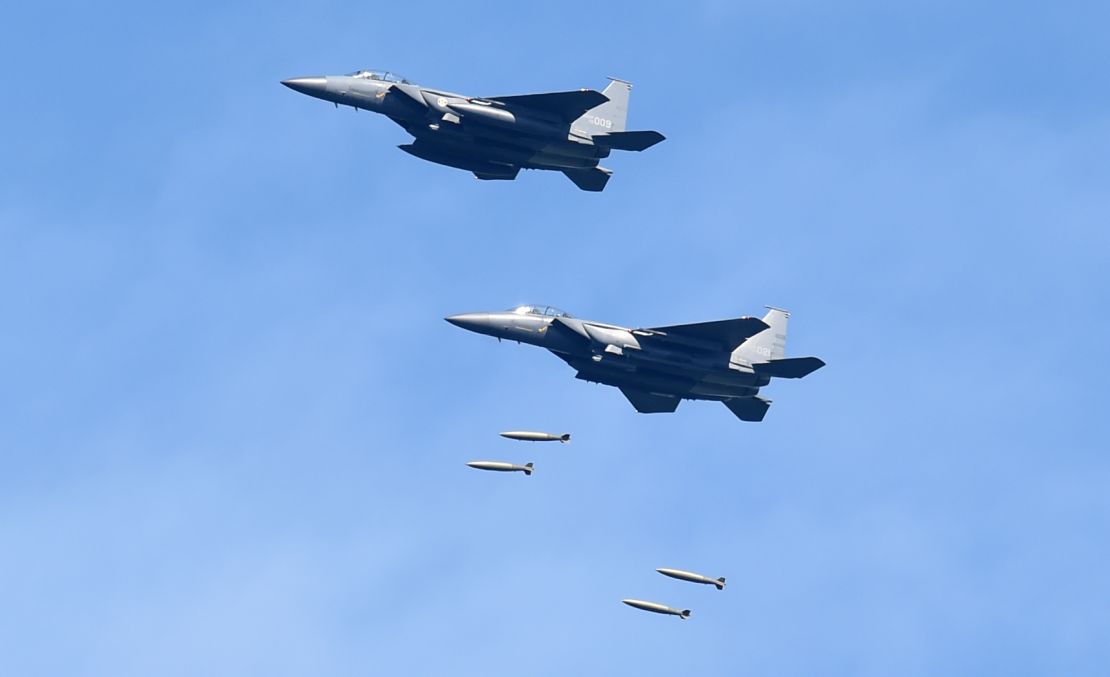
{"points": [[693, 578], [657, 608], [531, 436], [501, 466]]}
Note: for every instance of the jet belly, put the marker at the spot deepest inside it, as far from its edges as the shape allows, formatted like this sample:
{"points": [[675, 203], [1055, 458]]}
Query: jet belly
{"points": [[667, 384], [550, 141], [621, 364], [629, 377], [444, 156], [482, 144], [487, 143], [708, 382], [496, 134]]}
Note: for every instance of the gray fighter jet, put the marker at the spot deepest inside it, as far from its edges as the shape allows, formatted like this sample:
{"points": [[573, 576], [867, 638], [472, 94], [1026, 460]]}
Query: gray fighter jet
{"points": [[494, 137], [726, 361]]}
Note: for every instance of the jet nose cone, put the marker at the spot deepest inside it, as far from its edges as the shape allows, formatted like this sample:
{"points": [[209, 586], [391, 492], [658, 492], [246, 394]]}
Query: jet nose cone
{"points": [[478, 322], [314, 86]]}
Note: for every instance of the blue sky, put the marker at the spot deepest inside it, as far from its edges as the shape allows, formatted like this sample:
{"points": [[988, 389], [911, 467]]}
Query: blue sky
{"points": [[236, 423]]}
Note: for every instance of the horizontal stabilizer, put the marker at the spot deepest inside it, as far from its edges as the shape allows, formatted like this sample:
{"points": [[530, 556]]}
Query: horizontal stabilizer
{"points": [[566, 106], [650, 403], [592, 180], [748, 408], [628, 140], [790, 367], [721, 334]]}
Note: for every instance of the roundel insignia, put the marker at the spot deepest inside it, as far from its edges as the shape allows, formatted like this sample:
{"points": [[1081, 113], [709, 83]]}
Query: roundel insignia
{"points": [[441, 102]]}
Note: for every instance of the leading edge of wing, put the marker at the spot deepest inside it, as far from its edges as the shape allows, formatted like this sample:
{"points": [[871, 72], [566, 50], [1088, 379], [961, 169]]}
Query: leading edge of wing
{"points": [[726, 334], [567, 106]]}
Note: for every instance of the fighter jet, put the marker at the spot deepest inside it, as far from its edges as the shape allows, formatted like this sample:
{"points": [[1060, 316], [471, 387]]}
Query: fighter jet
{"points": [[495, 136], [726, 361]]}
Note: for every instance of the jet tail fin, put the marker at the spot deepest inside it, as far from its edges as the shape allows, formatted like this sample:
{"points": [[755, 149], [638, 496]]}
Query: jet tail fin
{"points": [[610, 116], [565, 437], [592, 180], [527, 468], [769, 344], [721, 583], [685, 614]]}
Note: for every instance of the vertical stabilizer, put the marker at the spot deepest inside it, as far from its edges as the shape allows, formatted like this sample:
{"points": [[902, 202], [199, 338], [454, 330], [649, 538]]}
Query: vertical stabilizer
{"points": [[769, 344], [611, 116]]}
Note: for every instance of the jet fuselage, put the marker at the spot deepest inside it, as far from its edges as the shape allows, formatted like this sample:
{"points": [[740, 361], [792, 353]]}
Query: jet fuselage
{"points": [[493, 138], [656, 368]]}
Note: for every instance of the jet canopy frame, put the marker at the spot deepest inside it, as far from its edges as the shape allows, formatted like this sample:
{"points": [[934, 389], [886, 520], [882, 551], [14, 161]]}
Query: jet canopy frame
{"points": [[384, 76], [545, 311]]}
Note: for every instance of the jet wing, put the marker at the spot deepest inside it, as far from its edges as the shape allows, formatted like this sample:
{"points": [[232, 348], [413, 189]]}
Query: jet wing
{"points": [[566, 106], [650, 403], [722, 335]]}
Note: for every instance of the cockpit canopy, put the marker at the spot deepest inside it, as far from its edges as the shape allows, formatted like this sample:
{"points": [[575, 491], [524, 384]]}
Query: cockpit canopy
{"points": [[546, 311], [384, 76]]}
